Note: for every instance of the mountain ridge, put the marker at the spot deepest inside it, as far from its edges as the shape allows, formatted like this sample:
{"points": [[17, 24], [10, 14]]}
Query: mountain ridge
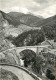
{"points": [[16, 18]]}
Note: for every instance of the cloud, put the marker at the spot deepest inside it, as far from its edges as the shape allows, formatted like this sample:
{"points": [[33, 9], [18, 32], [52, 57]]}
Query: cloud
{"points": [[45, 8], [16, 9], [45, 2], [47, 12], [41, 1]]}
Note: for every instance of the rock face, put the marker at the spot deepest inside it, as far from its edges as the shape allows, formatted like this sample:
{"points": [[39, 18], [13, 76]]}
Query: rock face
{"points": [[9, 57], [4, 44]]}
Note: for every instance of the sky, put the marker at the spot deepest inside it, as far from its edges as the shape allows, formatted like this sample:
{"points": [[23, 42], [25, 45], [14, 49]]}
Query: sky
{"points": [[45, 8]]}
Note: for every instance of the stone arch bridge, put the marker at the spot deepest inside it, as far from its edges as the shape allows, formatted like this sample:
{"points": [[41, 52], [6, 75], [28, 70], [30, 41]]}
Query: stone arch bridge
{"points": [[13, 54], [36, 49]]}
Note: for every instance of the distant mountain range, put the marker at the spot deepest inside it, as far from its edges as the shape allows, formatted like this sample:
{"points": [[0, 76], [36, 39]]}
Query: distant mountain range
{"points": [[16, 18], [17, 23]]}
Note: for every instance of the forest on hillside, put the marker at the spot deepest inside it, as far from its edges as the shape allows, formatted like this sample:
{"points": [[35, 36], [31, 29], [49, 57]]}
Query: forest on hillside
{"points": [[50, 31], [34, 37], [29, 38]]}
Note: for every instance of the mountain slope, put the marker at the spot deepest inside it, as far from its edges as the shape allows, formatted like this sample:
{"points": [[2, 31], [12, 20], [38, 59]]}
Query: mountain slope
{"points": [[27, 19], [16, 18], [14, 23], [47, 21], [29, 38], [10, 19], [49, 27], [25, 24]]}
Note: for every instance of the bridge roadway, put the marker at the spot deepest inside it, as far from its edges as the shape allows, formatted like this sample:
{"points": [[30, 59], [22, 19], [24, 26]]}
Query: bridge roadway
{"points": [[36, 49], [20, 72]]}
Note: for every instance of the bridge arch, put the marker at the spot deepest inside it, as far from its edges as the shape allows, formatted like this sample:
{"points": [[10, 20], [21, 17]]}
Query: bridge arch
{"points": [[34, 49], [27, 51], [28, 56]]}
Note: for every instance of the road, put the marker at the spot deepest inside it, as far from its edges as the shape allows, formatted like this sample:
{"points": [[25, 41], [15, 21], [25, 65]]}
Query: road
{"points": [[21, 74]]}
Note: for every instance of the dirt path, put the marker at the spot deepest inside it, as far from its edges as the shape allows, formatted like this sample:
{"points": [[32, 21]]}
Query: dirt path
{"points": [[21, 74]]}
